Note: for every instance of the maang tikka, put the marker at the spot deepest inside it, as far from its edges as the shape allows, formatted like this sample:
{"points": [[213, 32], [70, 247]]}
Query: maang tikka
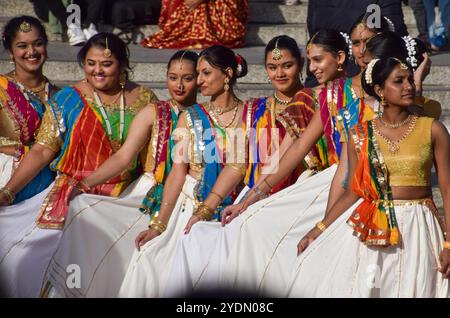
{"points": [[276, 53], [107, 52]]}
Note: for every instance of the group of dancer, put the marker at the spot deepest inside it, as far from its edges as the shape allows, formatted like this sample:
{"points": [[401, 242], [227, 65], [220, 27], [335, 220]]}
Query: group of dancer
{"points": [[310, 192]]}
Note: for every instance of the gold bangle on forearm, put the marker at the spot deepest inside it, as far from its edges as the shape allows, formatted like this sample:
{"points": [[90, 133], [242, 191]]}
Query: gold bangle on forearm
{"points": [[322, 227], [158, 226], [447, 245], [268, 184], [9, 194], [217, 195]]}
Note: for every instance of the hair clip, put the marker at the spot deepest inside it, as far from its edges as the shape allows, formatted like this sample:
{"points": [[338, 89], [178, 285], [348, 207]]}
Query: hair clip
{"points": [[410, 44], [369, 69], [403, 66], [25, 27], [349, 43], [239, 62], [107, 52], [276, 53]]}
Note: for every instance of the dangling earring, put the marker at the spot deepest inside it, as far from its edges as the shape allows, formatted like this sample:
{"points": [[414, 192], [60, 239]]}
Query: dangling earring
{"points": [[340, 69], [12, 60], [383, 101], [123, 79], [269, 80], [226, 86], [301, 77]]}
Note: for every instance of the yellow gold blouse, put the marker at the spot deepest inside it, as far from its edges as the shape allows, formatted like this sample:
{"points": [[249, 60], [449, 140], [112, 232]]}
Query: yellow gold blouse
{"points": [[411, 165]]}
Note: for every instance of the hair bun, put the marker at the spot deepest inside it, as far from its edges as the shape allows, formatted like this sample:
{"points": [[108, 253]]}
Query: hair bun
{"points": [[241, 69]]}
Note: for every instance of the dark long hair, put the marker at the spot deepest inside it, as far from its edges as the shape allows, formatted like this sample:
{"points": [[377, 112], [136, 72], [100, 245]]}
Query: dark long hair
{"points": [[331, 41]]}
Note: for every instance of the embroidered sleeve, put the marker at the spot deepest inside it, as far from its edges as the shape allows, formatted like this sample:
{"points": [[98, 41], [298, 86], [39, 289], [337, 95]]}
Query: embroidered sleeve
{"points": [[48, 133]]}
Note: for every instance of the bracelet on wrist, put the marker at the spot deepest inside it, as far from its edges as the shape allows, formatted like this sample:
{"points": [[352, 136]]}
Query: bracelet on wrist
{"points": [[447, 245], [158, 226], [9, 194], [322, 227], [204, 212], [260, 193]]}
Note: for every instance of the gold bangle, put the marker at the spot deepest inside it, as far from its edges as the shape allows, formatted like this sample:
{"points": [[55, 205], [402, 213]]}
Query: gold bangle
{"points": [[158, 226], [9, 194], [322, 227], [82, 185], [204, 212], [218, 195], [447, 245], [267, 182]]}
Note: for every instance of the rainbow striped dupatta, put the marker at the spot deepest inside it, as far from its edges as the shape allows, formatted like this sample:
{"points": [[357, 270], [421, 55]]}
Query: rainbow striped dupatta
{"points": [[207, 151], [85, 147], [374, 220], [257, 124], [26, 116], [159, 160]]}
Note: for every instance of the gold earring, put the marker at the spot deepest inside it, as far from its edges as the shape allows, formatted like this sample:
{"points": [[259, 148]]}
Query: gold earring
{"points": [[340, 69], [383, 101], [226, 87], [123, 79]]}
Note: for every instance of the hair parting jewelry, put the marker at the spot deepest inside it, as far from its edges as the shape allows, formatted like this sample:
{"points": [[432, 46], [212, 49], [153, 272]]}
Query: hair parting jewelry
{"points": [[311, 40], [276, 52], [181, 60], [25, 27], [107, 52]]}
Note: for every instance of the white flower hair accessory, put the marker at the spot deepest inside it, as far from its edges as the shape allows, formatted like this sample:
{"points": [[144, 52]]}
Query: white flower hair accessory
{"points": [[391, 24], [349, 43], [410, 44], [369, 69]]}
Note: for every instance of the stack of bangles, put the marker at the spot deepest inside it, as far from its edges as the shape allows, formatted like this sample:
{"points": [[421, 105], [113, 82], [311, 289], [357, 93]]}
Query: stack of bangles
{"points": [[9, 194], [447, 245], [204, 212], [158, 226]]}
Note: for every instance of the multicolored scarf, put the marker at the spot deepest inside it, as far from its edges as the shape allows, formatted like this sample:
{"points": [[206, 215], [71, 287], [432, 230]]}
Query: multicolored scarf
{"points": [[199, 121], [85, 147], [297, 117], [159, 160], [26, 113], [258, 127], [374, 220]]}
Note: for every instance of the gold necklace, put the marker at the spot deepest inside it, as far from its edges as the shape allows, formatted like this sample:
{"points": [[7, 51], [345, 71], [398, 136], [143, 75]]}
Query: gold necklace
{"points": [[396, 125], [222, 110], [217, 120], [394, 145]]}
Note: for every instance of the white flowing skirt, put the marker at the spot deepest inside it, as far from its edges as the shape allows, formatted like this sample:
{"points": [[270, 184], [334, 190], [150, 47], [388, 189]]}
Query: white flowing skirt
{"points": [[25, 249], [338, 264], [6, 168], [98, 239], [201, 260], [265, 247], [148, 271]]}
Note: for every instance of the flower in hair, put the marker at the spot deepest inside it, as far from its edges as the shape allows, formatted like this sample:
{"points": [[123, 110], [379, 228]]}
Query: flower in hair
{"points": [[410, 44], [369, 70], [349, 43], [391, 24]]}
